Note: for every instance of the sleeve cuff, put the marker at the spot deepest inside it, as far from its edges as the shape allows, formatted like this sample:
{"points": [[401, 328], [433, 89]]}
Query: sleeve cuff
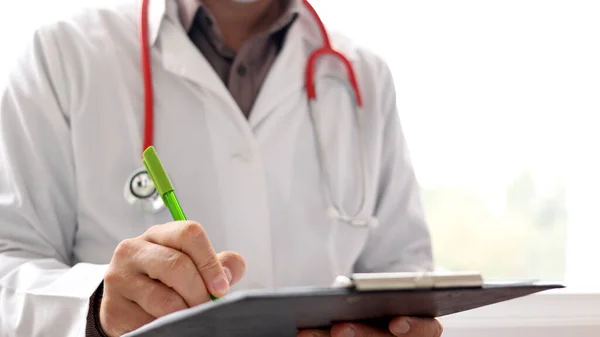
{"points": [[93, 327]]}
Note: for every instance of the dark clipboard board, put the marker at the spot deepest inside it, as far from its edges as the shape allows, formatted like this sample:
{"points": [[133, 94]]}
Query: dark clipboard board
{"points": [[281, 312]]}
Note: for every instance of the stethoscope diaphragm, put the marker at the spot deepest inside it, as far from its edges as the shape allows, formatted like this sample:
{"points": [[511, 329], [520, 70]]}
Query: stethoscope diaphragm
{"points": [[141, 193]]}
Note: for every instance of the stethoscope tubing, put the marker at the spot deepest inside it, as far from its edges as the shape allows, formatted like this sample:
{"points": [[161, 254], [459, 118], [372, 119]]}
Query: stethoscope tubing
{"points": [[326, 49]]}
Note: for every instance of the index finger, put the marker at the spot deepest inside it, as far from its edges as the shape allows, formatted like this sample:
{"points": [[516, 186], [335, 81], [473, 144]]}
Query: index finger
{"points": [[359, 330], [416, 327], [190, 238]]}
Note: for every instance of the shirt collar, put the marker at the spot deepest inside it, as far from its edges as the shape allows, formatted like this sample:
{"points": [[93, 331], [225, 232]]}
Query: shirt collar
{"points": [[187, 12]]}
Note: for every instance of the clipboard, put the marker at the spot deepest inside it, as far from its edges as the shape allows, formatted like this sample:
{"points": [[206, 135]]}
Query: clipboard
{"points": [[370, 298]]}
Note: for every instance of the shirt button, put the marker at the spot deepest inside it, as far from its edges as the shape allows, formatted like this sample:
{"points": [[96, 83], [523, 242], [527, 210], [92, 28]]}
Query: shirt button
{"points": [[242, 70]]}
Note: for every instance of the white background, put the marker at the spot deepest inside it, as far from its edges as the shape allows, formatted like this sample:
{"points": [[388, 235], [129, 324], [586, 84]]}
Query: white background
{"points": [[485, 88], [488, 87]]}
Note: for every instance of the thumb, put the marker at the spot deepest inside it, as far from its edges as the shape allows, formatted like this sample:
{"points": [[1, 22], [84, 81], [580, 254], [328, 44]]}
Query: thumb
{"points": [[234, 265]]}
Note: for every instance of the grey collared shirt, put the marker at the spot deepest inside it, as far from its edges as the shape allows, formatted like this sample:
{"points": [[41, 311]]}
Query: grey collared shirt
{"points": [[243, 72]]}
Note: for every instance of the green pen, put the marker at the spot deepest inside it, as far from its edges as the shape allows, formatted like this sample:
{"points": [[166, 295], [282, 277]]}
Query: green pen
{"points": [[163, 185]]}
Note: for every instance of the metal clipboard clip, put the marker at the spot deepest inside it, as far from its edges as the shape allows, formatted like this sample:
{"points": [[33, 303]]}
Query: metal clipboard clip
{"points": [[409, 280]]}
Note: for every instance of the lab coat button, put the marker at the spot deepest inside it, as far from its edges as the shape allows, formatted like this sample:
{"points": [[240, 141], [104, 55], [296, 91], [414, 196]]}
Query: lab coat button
{"points": [[246, 156]]}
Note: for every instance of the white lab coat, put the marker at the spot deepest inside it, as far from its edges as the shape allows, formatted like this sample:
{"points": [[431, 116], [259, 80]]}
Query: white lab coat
{"points": [[71, 125]]}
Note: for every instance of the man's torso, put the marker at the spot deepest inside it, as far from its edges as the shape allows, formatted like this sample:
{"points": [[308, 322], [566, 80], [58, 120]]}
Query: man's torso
{"points": [[254, 184]]}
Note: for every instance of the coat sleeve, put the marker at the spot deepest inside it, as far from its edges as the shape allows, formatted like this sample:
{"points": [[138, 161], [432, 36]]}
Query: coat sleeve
{"points": [[41, 292], [402, 240]]}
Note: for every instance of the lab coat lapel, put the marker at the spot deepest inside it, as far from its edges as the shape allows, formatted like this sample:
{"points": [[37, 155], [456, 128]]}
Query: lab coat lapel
{"points": [[156, 14], [286, 76], [181, 57]]}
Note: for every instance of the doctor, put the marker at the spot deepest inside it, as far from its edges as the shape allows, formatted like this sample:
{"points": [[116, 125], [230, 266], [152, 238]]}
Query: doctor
{"points": [[291, 186]]}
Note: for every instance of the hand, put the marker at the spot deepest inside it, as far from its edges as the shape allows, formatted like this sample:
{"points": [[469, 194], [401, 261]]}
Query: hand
{"points": [[398, 327], [169, 268]]}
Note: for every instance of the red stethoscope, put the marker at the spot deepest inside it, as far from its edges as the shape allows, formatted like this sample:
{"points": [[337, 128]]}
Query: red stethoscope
{"points": [[140, 191]]}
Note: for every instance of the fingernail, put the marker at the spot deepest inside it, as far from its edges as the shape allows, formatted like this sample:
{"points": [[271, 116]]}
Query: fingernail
{"points": [[221, 285], [228, 274], [400, 327], [347, 332]]}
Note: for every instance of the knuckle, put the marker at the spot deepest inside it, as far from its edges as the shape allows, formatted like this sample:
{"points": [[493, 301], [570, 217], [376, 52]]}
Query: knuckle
{"points": [[125, 249], [112, 276], [193, 230], [152, 229], [228, 255], [232, 259]]}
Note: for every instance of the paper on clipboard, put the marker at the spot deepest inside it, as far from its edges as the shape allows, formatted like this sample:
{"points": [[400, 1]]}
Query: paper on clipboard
{"points": [[416, 280]]}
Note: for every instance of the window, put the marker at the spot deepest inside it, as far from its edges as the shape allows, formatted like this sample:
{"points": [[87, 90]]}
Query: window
{"points": [[500, 104]]}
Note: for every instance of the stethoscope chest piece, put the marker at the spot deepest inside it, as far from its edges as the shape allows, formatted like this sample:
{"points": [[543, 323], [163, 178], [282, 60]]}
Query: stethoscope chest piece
{"points": [[141, 193]]}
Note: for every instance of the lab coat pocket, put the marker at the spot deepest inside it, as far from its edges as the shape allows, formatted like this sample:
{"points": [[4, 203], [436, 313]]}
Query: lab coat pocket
{"points": [[346, 241]]}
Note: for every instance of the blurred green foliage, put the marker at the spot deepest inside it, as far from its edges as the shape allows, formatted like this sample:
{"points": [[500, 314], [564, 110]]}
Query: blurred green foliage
{"points": [[525, 240]]}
